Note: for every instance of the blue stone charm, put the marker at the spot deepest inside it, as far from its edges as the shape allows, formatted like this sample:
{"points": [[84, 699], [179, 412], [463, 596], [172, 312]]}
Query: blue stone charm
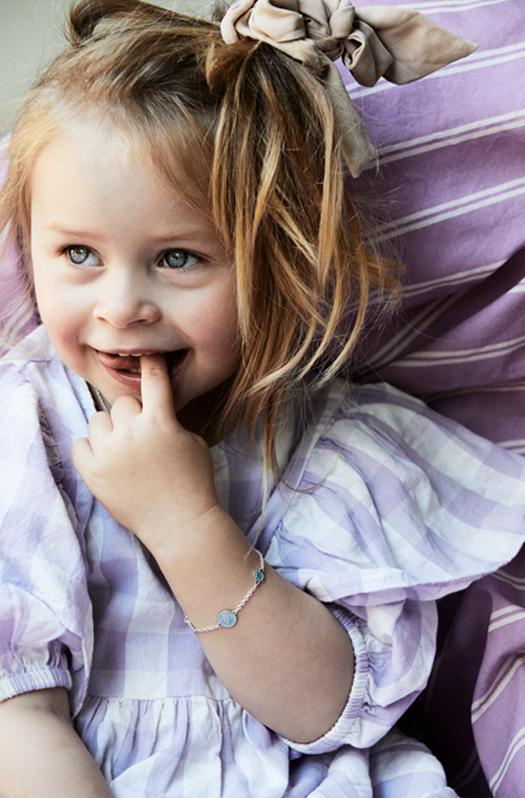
{"points": [[259, 576], [226, 619]]}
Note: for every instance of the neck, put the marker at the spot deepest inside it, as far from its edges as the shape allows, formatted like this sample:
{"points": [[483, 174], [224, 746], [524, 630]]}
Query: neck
{"points": [[198, 416]]}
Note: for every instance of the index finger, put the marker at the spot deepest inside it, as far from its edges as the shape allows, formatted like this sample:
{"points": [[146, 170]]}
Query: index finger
{"points": [[155, 385]]}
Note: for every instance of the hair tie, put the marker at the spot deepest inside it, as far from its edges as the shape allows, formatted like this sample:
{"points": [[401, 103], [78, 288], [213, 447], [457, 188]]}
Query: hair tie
{"points": [[398, 44]]}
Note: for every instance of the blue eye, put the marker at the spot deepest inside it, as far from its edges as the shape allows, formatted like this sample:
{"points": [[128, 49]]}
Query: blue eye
{"points": [[78, 256], [179, 259]]}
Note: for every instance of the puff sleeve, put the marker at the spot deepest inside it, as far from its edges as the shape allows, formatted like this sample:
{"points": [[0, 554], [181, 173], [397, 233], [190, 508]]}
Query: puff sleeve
{"points": [[394, 508], [45, 612]]}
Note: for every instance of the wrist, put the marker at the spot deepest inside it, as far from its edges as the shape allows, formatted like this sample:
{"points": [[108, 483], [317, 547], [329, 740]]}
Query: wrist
{"points": [[187, 545], [227, 617], [211, 570]]}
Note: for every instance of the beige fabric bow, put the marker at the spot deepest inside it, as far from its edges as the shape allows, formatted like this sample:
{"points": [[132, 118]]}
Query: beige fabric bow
{"points": [[398, 44]]}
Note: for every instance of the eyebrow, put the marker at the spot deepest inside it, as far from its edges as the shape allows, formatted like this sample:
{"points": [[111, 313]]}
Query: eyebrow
{"points": [[190, 233], [73, 233]]}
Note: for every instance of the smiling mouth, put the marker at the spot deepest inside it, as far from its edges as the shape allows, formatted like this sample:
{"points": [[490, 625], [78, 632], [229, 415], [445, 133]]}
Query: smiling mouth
{"points": [[130, 364]]}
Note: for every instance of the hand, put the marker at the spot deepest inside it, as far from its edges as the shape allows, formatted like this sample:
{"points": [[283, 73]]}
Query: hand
{"points": [[152, 475]]}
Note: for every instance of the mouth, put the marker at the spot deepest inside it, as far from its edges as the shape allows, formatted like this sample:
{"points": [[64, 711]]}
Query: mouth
{"points": [[126, 366]]}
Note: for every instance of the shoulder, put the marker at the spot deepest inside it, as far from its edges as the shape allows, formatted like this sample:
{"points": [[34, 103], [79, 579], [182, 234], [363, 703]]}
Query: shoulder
{"points": [[386, 495], [34, 382], [351, 423], [43, 407], [378, 426], [24, 383], [32, 354]]}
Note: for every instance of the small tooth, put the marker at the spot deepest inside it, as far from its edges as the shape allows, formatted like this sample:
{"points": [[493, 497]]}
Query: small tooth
{"points": [[133, 354]]}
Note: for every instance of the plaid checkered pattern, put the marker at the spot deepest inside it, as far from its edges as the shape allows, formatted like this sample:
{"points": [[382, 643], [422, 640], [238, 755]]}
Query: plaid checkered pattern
{"points": [[396, 508]]}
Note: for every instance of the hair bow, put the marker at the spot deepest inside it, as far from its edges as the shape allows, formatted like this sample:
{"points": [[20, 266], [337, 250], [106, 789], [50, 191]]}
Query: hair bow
{"points": [[398, 44]]}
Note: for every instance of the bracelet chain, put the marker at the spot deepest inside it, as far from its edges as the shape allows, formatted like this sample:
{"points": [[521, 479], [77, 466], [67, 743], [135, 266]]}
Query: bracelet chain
{"points": [[226, 619]]}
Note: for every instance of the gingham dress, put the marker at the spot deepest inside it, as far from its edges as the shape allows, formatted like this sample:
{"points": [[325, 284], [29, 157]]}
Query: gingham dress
{"points": [[396, 508]]}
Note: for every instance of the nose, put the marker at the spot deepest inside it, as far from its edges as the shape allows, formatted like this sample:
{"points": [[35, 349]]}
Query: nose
{"points": [[125, 299]]}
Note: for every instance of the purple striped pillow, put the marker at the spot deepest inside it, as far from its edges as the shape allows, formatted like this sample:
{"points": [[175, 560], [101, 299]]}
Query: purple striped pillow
{"points": [[452, 179]]}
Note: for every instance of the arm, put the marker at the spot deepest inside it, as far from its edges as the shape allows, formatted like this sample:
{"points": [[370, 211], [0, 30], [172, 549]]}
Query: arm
{"points": [[41, 754], [289, 661]]}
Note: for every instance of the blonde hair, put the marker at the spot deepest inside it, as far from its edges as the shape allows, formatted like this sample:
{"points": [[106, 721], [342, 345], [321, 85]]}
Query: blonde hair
{"points": [[262, 130]]}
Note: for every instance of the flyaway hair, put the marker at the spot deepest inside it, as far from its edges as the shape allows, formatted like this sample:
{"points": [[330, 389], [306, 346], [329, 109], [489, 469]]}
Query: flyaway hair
{"points": [[250, 133]]}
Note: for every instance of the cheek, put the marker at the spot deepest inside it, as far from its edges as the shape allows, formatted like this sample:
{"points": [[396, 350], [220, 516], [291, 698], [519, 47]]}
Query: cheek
{"points": [[61, 317], [63, 331], [214, 327], [217, 346], [48, 292]]}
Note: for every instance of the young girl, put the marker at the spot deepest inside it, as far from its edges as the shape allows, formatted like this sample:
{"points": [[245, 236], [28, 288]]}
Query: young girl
{"points": [[223, 582]]}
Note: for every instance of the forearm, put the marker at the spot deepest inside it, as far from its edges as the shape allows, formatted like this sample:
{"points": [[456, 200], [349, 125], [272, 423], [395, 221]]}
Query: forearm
{"points": [[41, 755], [288, 661]]}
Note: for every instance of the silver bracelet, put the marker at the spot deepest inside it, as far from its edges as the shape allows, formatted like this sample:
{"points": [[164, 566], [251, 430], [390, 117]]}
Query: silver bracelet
{"points": [[228, 618]]}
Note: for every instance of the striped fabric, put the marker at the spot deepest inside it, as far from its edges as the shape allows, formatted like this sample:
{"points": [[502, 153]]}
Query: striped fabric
{"points": [[452, 180], [384, 507]]}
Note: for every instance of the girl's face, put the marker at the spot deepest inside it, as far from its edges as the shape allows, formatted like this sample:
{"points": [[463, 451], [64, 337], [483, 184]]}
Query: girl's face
{"points": [[123, 266]]}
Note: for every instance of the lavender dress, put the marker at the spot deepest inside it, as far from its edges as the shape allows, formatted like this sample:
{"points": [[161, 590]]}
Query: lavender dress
{"points": [[452, 185], [397, 507]]}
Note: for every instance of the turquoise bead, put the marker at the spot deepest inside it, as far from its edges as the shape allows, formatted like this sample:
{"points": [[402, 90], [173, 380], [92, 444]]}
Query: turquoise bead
{"points": [[226, 619], [259, 575]]}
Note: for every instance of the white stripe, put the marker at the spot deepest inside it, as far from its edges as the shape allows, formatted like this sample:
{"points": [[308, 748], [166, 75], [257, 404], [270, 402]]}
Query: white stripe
{"points": [[387, 353], [512, 577], [452, 142], [496, 690], [517, 442], [515, 581], [453, 131], [507, 49], [486, 58], [519, 616], [418, 359], [452, 215], [501, 612], [424, 5], [465, 199], [427, 317], [464, 276], [475, 389], [510, 388], [500, 347], [467, 6], [508, 664], [516, 744], [446, 5]]}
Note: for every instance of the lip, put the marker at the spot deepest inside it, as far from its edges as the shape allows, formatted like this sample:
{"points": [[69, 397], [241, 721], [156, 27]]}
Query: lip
{"points": [[128, 351], [130, 379]]}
